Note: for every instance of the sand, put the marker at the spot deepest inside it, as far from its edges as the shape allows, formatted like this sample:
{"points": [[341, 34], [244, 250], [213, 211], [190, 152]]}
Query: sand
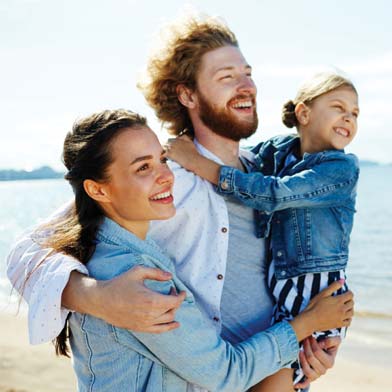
{"points": [[364, 362]]}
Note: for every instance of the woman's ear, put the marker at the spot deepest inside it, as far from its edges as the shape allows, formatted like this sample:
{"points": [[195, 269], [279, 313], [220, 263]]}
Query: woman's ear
{"points": [[302, 112], [96, 191], [186, 96]]}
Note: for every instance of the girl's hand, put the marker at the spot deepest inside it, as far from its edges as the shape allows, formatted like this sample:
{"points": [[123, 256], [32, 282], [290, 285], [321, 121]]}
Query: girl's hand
{"points": [[325, 312], [182, 150]]}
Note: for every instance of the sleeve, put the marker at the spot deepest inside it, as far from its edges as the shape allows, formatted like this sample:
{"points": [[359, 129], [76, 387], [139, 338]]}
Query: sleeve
{"points": [[40, 276], [328, 183], [199, 355]]}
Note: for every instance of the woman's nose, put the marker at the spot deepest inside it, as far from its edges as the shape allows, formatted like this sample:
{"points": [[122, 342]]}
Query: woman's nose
{"points": [[165, 175]]}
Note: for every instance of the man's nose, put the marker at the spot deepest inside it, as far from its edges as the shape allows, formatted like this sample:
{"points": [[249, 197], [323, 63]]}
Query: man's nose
{"points": [[247, 85]]}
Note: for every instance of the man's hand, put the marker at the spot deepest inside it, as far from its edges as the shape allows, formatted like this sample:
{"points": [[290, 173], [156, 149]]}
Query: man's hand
{"points": [[125, 301], [317, 358]]}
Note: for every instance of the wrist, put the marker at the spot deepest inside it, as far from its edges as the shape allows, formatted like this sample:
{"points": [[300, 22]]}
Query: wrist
{"points": [[302, 325]]}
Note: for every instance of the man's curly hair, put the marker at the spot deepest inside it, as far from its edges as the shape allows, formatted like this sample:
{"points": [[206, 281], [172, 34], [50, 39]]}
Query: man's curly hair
{"points": [[177, 62]]}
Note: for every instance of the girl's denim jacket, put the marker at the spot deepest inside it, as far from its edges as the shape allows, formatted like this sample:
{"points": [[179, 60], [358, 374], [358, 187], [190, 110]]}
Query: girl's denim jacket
{"points": [[308, 210], [107, 358]]}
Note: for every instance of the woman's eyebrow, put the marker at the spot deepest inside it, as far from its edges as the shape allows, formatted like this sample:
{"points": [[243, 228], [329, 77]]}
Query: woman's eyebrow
{"points": [[143, 158]]}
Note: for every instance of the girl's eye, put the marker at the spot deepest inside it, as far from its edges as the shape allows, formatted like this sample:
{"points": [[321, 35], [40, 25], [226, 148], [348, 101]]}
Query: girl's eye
{"points": [[143, 167]]}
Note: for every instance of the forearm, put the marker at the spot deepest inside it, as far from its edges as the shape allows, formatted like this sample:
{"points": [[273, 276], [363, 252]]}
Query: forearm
{"points": [[204, 168], [82, 294], [196, 353]]}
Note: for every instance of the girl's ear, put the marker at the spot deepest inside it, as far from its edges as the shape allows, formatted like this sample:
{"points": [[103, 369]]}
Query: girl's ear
{"points": [[186, 96], [302, 112], [96, 191]]}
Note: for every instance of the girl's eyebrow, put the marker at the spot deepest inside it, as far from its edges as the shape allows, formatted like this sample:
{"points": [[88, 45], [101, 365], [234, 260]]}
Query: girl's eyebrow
{"points": [[343, 102]]}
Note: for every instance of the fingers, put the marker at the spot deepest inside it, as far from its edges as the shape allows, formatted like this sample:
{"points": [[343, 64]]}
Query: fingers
{"points": [[331, 343], [335, 286], [141, 273], [316, 357], [310, 374], [160, 328]]}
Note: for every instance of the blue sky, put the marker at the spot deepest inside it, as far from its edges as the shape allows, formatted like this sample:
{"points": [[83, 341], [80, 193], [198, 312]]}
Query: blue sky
{"points": [[60, 60]]}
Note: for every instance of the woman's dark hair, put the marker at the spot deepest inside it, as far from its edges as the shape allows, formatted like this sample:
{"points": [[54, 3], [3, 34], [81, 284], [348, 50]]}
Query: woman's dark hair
{"points": [[86, 155]]}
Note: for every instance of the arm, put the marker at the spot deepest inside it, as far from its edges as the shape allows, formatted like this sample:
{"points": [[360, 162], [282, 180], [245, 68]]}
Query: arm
{"points": [[330, 182], [315, 187], [196, 353], [48, 282], [183, 151]]}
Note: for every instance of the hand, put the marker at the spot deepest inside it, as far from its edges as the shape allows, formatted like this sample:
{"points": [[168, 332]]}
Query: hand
{"points": [[182, 150], [127, 303], [325, 312], [317, 358]]}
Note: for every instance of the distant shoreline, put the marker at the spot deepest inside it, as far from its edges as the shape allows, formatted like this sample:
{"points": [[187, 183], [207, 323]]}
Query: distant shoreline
{"points": [[41, 173], [47, 173]]}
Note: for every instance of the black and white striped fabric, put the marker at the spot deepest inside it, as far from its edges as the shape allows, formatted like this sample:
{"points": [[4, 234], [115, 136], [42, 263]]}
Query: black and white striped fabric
{"points": [[292, 296]]}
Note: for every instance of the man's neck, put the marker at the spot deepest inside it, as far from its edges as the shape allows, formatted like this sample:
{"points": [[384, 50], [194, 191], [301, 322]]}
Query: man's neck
{"points": [[225, 149]]}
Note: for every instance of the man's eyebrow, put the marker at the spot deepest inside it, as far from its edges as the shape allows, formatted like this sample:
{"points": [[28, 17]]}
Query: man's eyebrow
{"points": [[230, 67], [143, 158]]}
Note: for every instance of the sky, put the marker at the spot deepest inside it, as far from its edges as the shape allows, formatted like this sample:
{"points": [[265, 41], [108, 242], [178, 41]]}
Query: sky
{"points": [[61, 60]]}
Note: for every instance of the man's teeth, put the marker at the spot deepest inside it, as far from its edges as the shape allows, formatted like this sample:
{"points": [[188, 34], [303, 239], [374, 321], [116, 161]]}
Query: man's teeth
{"points": [[163, 195], [246, 104], [342, 131]]}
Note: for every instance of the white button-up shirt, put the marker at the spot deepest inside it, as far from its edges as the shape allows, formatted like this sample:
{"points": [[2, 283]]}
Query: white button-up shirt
{"points": [[196, 238]]}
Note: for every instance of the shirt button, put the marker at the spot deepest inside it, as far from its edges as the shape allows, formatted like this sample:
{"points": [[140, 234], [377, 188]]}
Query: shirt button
{"points": [[225, 185], [283, 273], [220, 276], [279, 253], [224, 230], [277, 221], [216, 319]]}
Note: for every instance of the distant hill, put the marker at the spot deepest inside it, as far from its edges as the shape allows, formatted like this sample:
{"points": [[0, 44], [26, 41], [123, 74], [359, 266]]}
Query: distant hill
{"points": [[44, 172]]}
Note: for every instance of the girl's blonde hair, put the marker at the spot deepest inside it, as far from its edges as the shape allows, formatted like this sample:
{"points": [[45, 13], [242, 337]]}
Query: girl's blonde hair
{"points": [[320, 84]]}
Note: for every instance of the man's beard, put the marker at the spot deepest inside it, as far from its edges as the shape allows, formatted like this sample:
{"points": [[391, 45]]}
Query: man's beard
{"points": [[224, 123]]}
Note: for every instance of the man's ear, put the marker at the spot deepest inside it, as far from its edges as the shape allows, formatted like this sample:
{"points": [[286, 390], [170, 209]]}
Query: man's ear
{"points": [[96, 191], [302, 112], [186, 96]]}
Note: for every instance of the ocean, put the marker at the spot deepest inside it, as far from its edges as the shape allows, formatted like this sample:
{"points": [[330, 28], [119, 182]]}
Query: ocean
{"points": [[24, 203]]}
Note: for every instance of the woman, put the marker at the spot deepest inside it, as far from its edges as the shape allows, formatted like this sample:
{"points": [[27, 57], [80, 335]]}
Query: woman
{"points": [[119, 175]]}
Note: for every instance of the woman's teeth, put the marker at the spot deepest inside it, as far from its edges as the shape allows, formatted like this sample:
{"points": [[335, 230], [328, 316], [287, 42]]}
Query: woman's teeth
{"points": [[163, 195]]}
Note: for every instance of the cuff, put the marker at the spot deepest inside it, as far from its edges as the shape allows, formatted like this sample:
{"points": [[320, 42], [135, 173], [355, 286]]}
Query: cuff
{"points": [[286, 341], [225, 185], [46, 317]]}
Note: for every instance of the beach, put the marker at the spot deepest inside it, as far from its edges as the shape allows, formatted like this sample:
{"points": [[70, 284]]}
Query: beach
{"points": [[364, 362]]}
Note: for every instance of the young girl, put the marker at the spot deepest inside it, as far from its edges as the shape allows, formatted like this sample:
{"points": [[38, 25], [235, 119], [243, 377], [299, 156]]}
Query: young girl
{"points": [[305, 195], [121, 181]]}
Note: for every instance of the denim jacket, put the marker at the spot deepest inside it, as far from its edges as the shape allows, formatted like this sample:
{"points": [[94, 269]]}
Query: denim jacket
{"points": [[107, 358], [308, 210]]}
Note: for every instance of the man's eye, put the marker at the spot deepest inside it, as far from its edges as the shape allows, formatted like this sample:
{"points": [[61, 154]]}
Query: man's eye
{"points": [[226, 77], [143, 167]]}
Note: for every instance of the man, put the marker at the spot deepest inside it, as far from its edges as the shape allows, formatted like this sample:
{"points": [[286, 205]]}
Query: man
{"points": [[199, 82]]}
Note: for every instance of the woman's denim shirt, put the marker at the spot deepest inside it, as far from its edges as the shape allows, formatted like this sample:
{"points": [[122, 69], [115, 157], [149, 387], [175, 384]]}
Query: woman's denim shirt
{"points": [[308, 210], [107, 358]]}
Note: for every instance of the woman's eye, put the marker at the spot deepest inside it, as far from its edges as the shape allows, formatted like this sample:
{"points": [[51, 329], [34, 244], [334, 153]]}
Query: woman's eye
{"points": [[143, 167]]}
